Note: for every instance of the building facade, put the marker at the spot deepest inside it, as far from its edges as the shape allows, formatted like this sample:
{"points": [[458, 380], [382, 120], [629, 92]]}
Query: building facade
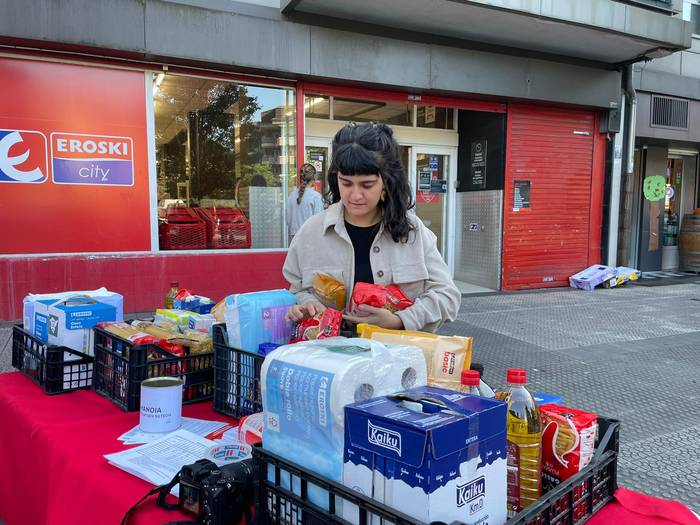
{"points": [[665, 150], [145, 142]]}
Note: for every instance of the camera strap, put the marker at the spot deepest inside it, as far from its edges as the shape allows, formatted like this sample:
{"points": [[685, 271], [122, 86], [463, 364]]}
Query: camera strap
{"points": [[162, 491]]}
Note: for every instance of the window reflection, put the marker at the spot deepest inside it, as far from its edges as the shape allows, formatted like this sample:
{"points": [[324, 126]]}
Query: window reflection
{"points": [[226, 152], [376, 111]]}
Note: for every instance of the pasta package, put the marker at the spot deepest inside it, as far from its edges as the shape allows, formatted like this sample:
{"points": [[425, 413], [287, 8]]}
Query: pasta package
{"points": [[568, 442], [390, 297], [445, 356], [128, 332], [330, 291]]}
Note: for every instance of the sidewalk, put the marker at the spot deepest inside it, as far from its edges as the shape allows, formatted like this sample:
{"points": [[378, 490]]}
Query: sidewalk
{"points": [[631, 353]]}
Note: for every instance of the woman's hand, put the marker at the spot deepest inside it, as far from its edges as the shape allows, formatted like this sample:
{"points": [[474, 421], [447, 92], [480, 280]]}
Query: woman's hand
{"points": [[376, 316], [298, 313]]}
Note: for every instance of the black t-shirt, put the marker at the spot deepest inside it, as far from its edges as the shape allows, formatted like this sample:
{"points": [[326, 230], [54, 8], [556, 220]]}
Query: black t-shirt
{"points": [[362, 238]]}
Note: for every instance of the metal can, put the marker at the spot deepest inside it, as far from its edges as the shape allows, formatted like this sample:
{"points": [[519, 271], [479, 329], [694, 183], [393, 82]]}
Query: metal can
{"points": [[161, 404]]}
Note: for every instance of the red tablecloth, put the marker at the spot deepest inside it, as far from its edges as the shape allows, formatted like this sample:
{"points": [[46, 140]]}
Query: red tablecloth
{"points": [[52, 469]]}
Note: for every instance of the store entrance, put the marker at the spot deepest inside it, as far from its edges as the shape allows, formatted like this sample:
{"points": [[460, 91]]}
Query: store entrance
{"points": [[431, 172]]}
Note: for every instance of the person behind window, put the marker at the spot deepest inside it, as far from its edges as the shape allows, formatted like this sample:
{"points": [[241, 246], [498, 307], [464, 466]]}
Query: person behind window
{"points": [[303, 202], [368, 234]]}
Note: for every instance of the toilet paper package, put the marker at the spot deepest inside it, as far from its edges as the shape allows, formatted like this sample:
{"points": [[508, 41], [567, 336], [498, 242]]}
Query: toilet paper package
{"points": [[435, 454], [258, 317], [306, 386]]}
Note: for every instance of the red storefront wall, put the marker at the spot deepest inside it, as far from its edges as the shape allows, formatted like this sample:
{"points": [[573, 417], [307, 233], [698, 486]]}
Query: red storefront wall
{"points": [[40, 98], [561, 156], [143, 279]]}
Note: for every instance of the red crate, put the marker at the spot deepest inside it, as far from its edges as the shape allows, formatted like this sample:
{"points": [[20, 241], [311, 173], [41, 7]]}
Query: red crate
{"points": [[227, 228], [182, 230]]}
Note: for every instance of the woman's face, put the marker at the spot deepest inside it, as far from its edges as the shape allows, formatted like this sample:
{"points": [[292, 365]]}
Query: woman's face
{"points": [[360, 195]]}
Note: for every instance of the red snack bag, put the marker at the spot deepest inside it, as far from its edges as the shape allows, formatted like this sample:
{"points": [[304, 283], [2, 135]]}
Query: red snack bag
{"points": [[568, 443], [320, 326], [390, 297]]}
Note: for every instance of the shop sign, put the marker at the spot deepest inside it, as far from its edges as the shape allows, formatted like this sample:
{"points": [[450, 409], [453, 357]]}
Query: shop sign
{"points": [[424, 178], [425, 197], [98, 160], [438, 186], [521, 194], [433, 163], [75, 158], [477, 164], [23, 156]]}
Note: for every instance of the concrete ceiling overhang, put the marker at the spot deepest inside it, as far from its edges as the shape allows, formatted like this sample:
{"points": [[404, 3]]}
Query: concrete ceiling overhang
{"points": [[601, 31]]}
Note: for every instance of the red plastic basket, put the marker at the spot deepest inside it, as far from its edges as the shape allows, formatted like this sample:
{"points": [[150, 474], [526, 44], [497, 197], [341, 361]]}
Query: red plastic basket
{"points": [[227, 228], [182, 230]]}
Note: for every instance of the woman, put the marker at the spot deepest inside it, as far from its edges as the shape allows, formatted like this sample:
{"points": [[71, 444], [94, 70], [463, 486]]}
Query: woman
{"points": [[369, 235], [303, 202]]}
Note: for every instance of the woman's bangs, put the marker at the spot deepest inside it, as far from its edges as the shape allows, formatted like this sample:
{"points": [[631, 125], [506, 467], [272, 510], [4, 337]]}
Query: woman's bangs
{"points": [[351, 160]]}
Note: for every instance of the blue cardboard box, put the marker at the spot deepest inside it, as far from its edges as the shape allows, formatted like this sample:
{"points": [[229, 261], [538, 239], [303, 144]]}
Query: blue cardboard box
{"points": [[434, 454], [69, 322]]}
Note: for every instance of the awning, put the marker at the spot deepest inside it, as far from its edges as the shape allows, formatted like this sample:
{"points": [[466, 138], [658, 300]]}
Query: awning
{"points": [[603, 31]]}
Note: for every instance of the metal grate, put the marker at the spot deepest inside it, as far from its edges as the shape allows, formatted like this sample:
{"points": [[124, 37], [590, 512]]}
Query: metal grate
{"points": [[668, 112]]}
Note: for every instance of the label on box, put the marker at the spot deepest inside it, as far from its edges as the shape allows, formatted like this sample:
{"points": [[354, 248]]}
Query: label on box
{"points": [[290, 386]]}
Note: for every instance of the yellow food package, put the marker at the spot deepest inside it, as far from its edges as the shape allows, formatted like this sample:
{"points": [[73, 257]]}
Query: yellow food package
{"points": [[218, 311], [445, 356], [159, 332], [330, 291]]}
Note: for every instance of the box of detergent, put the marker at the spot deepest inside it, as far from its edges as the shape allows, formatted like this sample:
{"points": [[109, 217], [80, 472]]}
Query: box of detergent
{"points": [[433, 454]]}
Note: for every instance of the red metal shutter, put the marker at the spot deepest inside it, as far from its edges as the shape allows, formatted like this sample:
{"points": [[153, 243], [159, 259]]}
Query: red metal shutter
{"points": [[559, 233]]}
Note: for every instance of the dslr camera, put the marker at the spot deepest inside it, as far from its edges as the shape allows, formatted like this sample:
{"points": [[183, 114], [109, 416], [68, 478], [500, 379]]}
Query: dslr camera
{"points": [[217, 495]]}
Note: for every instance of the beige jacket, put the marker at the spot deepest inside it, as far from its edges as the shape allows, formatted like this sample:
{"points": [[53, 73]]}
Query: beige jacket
{"points": [[323, 245]]}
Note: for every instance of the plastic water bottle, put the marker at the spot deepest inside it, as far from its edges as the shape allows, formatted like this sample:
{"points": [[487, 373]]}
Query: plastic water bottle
{"points": [[470, 382], [524, 434]]}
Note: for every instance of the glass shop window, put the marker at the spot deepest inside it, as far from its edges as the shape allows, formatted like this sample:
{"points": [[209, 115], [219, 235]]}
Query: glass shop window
{"points": [[225, 161]]}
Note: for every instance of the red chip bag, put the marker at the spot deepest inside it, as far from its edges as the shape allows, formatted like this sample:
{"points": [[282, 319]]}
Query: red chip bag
{"points": [[568, 443], [390, 297], [320, 326]]}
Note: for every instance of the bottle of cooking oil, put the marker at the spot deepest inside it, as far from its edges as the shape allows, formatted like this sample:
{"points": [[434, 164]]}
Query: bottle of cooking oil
{"points": [[524, 434], [174, 289], [470, 382]]}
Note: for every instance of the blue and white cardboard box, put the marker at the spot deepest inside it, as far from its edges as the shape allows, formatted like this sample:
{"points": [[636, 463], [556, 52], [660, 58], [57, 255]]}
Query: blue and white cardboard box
{"points": [[431, 453], [69, 322]]}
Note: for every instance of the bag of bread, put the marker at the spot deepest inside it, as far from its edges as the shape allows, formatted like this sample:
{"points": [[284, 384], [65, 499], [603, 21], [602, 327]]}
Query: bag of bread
{"points": [[445, 356], [330, 291], [568, 442]]}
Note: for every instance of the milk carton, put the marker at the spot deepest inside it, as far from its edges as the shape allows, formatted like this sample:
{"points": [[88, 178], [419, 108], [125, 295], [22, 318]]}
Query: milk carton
{"points": [[69, 322], [431, 453]]}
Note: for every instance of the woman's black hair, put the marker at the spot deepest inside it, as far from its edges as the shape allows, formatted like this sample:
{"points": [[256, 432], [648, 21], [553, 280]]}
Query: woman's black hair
{"points": [[370, 149]]}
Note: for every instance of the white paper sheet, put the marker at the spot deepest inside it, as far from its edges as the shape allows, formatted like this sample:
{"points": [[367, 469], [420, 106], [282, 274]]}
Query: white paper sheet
{"points": [[158, 462], [201, 427]]}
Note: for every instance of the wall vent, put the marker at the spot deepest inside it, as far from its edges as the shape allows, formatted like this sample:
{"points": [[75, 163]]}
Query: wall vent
{"points": [[668, 112]]}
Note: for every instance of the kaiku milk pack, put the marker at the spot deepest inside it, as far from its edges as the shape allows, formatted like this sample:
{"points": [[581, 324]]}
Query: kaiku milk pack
{"points": [[436, 454]]}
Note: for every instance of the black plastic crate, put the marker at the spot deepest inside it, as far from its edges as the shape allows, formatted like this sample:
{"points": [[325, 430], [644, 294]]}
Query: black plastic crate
{"points": [[56, 369], [121, 366], [571, 503], [574, 501], [237, 391]]}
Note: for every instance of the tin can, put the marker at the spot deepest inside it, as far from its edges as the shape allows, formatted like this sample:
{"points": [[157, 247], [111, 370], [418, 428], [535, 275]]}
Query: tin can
{"points": [[161, 404]]}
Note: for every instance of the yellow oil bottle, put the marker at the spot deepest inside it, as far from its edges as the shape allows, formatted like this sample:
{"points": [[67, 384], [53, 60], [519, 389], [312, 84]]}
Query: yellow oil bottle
{"points": [[524, 435]]}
